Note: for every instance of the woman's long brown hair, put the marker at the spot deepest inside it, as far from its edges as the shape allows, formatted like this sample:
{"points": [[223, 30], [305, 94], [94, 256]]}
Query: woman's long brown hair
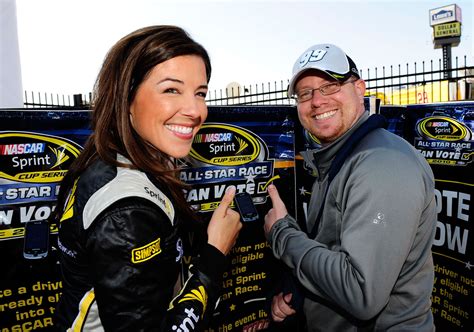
{"points": [[125, 67]]}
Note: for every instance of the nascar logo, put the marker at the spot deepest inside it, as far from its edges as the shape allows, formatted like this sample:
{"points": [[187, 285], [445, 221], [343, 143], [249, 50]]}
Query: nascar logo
{"points": [[25, 148], [35, 158], [443, 128], [225, 145], [216, 137]]}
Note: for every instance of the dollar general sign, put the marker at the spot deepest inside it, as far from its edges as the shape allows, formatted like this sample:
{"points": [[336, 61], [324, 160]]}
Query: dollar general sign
{"points": [[452, 29]]}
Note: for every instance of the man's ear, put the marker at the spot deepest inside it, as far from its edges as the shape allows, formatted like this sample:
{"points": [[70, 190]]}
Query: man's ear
{"points": [[360, 87]]}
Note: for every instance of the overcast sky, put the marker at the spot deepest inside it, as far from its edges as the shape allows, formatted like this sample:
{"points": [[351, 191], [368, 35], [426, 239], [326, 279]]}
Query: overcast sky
{"points": [[63, 42]]}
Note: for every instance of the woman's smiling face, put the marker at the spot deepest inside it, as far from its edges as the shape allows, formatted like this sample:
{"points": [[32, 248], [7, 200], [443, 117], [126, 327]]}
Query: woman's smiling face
{"points": [[169, 106]]}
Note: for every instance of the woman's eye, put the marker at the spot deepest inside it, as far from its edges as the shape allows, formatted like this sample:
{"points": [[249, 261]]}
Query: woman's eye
{"points": [[202, 94], [171, 90]]}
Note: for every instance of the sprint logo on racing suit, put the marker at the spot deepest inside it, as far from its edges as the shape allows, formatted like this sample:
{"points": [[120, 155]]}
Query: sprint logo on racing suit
{"points": [[196, 294], [188, 323], [191, 320]]}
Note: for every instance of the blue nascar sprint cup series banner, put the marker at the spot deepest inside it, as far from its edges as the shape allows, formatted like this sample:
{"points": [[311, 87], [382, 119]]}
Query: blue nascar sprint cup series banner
{"points": [[248, 147], [443, 134], [36, 149]]}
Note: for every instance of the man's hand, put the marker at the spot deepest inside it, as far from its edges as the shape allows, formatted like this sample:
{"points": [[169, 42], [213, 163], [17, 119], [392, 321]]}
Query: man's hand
{"points": [[277, 212], [281, 308]]}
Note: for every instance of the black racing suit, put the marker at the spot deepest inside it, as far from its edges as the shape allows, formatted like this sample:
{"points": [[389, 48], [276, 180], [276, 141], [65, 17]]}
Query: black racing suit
{"points": [[121, 257]]}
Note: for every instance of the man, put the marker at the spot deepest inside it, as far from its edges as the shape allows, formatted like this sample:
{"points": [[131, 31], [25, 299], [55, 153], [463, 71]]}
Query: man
{"points": [[363, 257]]}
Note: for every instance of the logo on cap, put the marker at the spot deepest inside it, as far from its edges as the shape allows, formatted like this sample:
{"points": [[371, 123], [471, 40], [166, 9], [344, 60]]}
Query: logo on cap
{"points": [[312, 56]]}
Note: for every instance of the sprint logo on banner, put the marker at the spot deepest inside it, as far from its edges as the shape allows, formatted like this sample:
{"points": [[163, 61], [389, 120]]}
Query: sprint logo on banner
{"points": [[32, 158], [224, 155], [33, 165], [444, 140]]}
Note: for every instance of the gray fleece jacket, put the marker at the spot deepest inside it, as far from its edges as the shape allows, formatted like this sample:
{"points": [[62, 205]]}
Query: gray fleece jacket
{"points": [[370, 266]]}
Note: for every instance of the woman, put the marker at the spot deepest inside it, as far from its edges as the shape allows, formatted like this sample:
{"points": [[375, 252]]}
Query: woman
{"points": [[122, 202]]}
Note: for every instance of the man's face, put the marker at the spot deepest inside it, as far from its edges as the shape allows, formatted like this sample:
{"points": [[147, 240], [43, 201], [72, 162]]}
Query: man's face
{"points": [[329, 117]]}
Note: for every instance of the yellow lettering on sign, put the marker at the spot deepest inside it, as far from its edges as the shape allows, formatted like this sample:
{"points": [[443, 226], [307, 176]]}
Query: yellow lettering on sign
{"points": [[447, 30]]}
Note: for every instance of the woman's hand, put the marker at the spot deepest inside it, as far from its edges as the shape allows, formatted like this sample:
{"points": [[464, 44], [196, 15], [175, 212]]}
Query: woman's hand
{"points": [[225, 224]]}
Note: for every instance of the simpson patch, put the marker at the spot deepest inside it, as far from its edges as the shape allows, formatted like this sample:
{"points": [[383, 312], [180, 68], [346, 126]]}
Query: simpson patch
{"points": [[146, 252]]}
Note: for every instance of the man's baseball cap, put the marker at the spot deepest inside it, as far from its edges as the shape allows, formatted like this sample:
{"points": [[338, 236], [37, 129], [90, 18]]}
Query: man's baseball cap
{"points": [[327, 58]]}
